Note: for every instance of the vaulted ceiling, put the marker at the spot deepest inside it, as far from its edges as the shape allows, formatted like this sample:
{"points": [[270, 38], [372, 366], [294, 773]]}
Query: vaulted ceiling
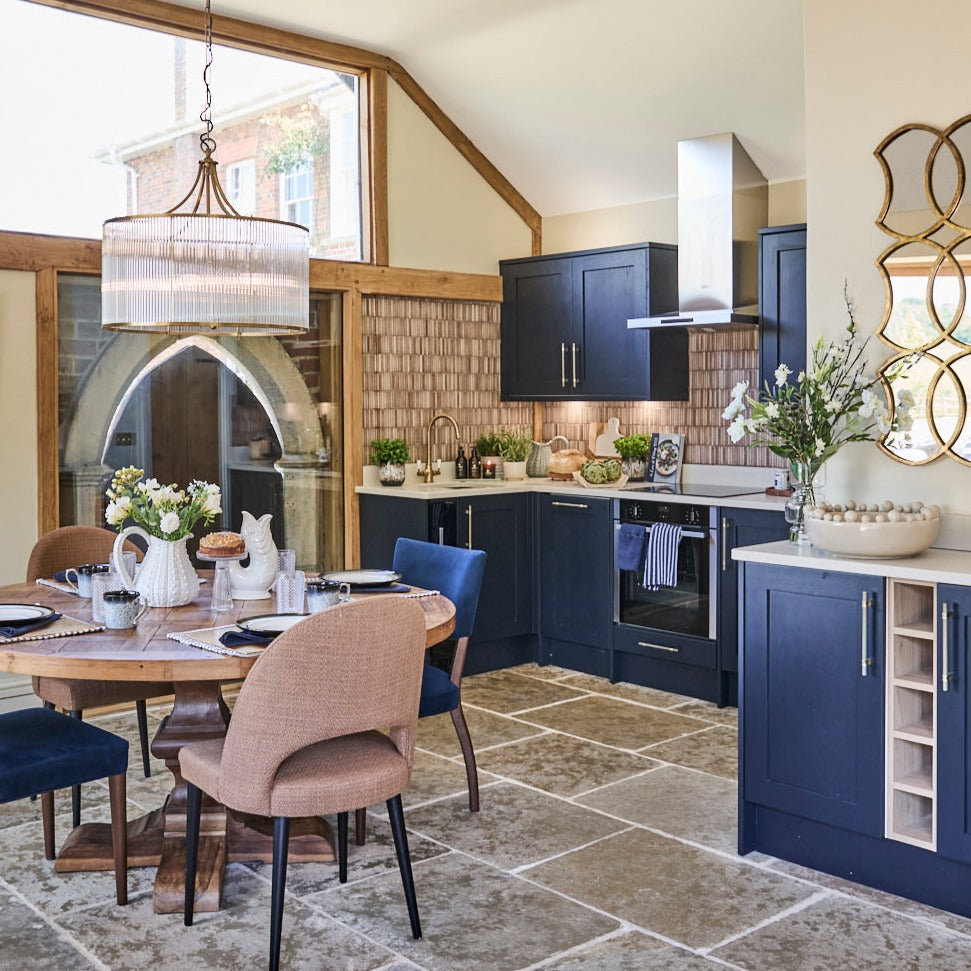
{"points": [[581, 103]]}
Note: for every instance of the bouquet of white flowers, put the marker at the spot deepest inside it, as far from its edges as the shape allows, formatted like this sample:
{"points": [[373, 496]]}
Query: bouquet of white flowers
{"points": [[167, 512]]}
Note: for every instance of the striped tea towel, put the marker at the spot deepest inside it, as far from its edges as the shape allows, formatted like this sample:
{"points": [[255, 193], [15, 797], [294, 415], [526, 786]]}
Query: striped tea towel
{"points": [[661, 562]]}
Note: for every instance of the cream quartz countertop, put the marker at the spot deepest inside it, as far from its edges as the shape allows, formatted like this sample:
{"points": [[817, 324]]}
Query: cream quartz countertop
{"points": [[455, 489], [934, 565]]}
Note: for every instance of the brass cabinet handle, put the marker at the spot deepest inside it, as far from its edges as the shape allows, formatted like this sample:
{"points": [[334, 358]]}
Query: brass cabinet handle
{"points": [[570, 505], [724, 544], [945, 672], [563, 364], [866, 662], [660, 647], [574, 364], [468, 541]]}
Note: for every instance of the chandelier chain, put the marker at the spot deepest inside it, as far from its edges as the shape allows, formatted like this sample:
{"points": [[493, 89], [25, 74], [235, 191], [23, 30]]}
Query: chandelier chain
{"points": [[206, 140]]}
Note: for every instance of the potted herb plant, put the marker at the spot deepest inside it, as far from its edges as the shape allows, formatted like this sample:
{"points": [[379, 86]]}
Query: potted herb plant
{"points": [[390, 455], [487, 445], [633, 451], [514, 446]]}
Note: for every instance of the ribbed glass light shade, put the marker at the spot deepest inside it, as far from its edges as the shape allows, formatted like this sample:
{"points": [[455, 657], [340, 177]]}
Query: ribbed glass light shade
{"points": [[190, 273]]}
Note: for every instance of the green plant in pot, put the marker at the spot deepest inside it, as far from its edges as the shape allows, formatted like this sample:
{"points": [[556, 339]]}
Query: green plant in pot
{"points": [[514, 447], [633, 451], [390, 455], [487, 445]]}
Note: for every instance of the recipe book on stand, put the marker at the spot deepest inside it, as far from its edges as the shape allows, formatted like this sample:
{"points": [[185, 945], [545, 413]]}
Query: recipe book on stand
{"points": [[664, 458]]}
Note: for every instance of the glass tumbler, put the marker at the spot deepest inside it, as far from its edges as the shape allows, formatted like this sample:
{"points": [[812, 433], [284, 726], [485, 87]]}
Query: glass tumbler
{"points": [[287, 560], [99, 583], [289, 590]]}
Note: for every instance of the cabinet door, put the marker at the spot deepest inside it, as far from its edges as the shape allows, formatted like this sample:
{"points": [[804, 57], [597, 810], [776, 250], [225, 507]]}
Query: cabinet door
{"points": [[782, 300], [576, 570], [954, 723], [383, 519], [500, 525], [537, 329], [812, 741], [739, 527]]}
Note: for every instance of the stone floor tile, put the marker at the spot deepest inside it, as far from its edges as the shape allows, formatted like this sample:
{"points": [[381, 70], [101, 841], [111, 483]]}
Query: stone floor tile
{"points": [[27, 943], [613, 722], [714, 750], [473, 917], [434, 777], [507, 692], [835, 933], [546, 672], [622, 689], [515, 825], [692, 805], [682, 893], [437, 733], [562, 765], [709, 712], [631, 951]]}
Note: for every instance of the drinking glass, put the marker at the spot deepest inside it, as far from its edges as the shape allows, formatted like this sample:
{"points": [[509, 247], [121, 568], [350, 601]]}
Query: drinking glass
{"points": [[99, 583], [287, 560], [289, 590]]}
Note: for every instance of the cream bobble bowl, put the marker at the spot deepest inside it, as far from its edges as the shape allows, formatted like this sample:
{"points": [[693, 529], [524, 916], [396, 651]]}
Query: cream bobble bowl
{"points": [[883, 532]]}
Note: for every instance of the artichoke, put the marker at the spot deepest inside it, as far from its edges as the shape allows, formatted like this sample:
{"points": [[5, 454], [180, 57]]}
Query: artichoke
{"points": [[594, 472]]}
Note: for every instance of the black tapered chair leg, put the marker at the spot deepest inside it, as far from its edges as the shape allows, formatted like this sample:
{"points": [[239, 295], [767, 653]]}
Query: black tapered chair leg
{"points": [[342, 847], [142, 715], [193, 812], [75, 790], [281, 836], [397, 817]]}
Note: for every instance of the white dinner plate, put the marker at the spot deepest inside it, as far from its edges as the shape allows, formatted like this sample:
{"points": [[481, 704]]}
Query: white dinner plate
{"points": [[23, 613], [364, 578], [269, 625]]}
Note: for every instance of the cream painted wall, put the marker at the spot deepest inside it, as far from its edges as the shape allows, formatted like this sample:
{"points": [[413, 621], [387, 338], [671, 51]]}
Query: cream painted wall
{"points": [[656, 221], [858, 89], [18, 422], [441, 214]]}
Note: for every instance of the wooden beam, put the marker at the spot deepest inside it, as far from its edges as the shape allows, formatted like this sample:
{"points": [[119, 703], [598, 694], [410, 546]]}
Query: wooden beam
{"points": [[353, 405], [463, 144], [32, 251], [378, 156], [394, 281], [48, 512]]}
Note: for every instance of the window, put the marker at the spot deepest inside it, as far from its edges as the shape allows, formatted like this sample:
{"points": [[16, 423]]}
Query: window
{"points": [[240, 186], [344, 174], [297, 195]]}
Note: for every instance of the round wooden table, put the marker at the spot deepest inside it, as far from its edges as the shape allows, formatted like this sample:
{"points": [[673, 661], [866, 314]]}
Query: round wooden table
{"points": [[199, 712]]}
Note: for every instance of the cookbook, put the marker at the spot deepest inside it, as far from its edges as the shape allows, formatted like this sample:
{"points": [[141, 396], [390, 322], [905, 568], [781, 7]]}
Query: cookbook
{"points": [[664, 458]]}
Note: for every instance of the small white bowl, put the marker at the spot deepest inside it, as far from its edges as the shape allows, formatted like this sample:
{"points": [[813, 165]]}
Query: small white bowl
{"points": [[873, 540]]}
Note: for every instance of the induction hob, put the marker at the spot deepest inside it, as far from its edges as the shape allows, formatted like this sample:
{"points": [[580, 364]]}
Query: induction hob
{"points": [[692, 489]]}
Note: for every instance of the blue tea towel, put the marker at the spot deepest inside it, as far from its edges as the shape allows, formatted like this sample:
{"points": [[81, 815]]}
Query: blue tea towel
{"points": [[629, 554], [661, 562], [15, 630]]}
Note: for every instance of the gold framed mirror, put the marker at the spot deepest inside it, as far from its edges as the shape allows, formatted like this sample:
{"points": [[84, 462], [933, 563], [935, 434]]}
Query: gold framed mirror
{"points": [[925, 270]]}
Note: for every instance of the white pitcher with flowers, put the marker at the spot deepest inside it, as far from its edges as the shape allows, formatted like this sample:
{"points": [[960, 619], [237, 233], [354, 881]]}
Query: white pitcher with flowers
{"points": [[164, 516]]}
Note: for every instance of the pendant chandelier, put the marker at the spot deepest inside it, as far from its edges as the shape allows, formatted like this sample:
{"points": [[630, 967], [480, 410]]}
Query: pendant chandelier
{"points": [[201, 267]]}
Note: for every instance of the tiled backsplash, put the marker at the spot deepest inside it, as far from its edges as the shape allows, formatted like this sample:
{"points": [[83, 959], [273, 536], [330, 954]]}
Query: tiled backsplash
{"points": [[423, 356]]}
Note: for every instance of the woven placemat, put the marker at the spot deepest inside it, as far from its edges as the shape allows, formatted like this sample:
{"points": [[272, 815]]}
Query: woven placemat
{"points": [[207, 638], [62, 627]]}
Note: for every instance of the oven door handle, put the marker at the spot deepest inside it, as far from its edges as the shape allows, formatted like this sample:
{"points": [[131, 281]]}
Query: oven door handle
{"points": [[685, 533]]}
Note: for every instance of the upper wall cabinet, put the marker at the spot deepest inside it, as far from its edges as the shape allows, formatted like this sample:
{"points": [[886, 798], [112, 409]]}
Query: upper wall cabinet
{"points": [[564, 326], [782, 300]]}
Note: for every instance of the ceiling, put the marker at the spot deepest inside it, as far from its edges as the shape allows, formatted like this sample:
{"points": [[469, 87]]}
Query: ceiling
{"points": [[581, 103]]}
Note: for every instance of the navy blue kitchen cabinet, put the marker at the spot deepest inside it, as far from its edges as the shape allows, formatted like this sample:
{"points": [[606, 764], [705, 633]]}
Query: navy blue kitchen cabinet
{"points": [[782, 300], [575, 582], [738, 527], [501, 525], [564, 326], [812, 699], [954, 723]]}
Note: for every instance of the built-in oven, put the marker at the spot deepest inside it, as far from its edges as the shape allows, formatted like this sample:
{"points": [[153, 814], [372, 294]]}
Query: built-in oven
{"points": [[688, 607]]}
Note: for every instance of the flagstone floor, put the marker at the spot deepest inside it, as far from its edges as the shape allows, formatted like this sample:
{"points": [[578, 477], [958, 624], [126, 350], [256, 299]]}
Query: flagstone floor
{"points": [[605, 843]]}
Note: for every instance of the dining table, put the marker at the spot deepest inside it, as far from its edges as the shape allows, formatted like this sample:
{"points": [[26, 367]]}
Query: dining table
{"points": [[199, 712]]}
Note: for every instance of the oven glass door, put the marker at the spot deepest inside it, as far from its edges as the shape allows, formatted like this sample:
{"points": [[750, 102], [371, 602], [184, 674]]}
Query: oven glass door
{"points": [[682, 609]]}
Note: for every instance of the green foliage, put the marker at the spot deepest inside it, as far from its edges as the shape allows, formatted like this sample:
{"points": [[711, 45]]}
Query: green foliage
{"points": [[300, 140], [514, 445], [489, 443], [389, 450], [632, 446]]}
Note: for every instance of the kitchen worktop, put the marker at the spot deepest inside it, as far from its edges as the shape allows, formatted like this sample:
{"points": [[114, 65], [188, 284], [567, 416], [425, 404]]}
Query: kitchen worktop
{"points": [[455, 489]]}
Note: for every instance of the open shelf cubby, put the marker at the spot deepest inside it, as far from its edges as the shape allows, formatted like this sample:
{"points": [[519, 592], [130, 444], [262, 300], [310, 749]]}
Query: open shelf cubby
{"points": [[911, 750]]}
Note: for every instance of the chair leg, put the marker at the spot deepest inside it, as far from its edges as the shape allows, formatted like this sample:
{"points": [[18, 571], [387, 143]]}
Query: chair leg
{"points": [[142, 715], [76, 790], [360, 824], [397, 818], [342, 847], [193, 812], [281, 836], [468, 753], [47, 817], [119, 835]]}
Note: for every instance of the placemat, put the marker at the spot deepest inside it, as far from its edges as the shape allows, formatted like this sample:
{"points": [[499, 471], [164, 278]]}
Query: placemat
{"points": [[63, 627], [57, 585], [207, 638]]}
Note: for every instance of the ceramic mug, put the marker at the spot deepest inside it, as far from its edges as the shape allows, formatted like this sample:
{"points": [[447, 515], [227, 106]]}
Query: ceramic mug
{"points": [[122, 608], [81, 584], [322, 594]]}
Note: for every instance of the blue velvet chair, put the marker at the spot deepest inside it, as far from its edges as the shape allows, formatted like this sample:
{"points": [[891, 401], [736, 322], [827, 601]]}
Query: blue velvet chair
{"points": [[42, 750]]}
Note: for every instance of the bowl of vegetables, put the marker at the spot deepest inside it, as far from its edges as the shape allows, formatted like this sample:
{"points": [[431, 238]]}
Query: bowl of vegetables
{"points": [[601, 474]]}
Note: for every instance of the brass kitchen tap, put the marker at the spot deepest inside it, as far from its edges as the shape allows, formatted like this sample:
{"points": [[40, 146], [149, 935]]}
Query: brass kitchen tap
{"points": [[430, 473]]}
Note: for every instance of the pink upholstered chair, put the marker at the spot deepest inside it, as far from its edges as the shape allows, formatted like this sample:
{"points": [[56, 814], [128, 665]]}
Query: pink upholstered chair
{"points": [[325, 722], [61, 549]]}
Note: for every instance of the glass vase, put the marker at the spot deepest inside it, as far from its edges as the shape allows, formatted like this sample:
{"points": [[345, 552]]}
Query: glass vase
{"points": [[807, 480]]}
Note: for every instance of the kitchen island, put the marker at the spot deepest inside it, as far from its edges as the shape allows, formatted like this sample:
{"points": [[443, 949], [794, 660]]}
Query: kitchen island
{"points": [[854, 717]]}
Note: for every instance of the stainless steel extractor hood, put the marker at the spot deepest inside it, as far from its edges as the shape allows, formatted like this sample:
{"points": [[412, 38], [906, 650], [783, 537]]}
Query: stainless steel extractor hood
{"points": [[722, 204]]}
